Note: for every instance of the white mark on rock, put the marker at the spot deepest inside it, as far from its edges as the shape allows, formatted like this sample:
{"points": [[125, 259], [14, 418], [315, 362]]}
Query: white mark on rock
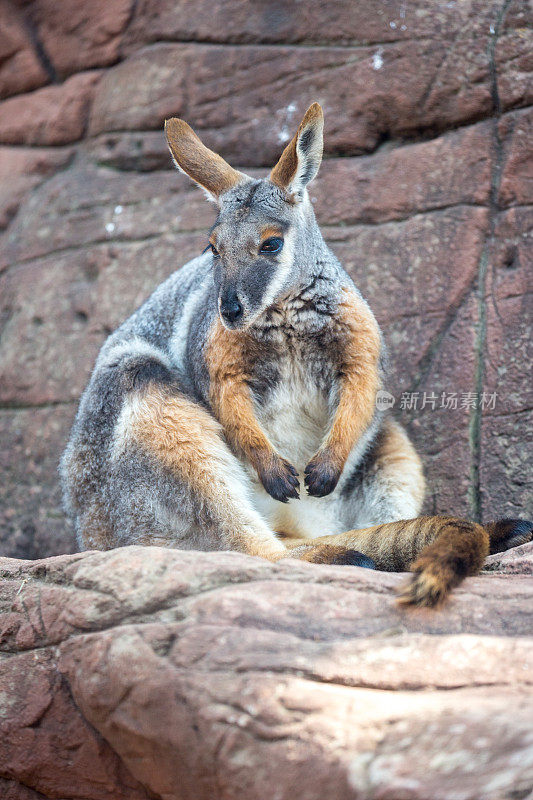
{"points": [[377, 59], [284, 134], [118, 210], [491, 29], [110, 227], [392, 24], [457, 730]]}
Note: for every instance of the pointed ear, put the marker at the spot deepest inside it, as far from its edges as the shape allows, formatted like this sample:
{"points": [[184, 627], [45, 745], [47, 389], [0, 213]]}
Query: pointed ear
{"points": [[301, 158], [208, 169]]}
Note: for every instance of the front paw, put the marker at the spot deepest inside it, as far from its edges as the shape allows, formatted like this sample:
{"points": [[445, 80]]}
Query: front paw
{"points": [[321, 474], [279, 478]]}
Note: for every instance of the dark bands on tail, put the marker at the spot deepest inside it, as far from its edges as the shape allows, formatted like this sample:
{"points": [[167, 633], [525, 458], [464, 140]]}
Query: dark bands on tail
{"points": [[459, 549], [440, 551]]}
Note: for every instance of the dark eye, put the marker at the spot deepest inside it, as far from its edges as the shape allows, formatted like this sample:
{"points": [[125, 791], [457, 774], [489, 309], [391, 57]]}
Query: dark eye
{"points": [[213, 250], [272, 245]]}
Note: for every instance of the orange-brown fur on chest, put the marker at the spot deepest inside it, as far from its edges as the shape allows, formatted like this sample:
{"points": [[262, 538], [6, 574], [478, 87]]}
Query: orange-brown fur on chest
{"points": [[359, 374], [229, 358], [354, 347]]}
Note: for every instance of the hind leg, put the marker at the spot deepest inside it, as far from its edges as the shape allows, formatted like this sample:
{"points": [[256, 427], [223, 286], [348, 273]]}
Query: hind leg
{"points": [[389, 485], [168, 479], [185, 444]]}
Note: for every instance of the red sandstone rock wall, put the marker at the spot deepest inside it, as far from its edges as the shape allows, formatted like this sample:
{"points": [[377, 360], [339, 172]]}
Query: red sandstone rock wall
{"points": [[425, 194]]}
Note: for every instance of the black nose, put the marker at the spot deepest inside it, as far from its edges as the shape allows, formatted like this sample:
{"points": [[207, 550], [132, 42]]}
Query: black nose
{"points": [[230, 308]]}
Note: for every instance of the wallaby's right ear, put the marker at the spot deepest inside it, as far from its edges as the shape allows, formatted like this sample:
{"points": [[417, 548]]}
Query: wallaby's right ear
{"points": [[301, 159], [206, 168]]}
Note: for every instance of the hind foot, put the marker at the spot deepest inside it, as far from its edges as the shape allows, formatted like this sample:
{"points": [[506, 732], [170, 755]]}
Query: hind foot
{"points": [[507, 533], [331, 554]]}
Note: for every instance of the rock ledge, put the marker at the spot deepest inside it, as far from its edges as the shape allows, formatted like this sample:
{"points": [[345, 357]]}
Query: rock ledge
{"points": [[145, 672]]}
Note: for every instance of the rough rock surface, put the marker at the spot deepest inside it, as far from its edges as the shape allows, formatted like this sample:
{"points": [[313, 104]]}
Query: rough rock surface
{"points": [[425, 194], [151, 673]]}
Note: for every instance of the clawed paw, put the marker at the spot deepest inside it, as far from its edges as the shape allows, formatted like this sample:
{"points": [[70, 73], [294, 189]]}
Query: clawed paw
{"points": [[321, 474], [280, 479]]}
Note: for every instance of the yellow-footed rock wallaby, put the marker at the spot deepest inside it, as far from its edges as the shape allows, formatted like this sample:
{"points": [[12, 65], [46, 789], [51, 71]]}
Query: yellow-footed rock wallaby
{"points": [[249, 372]]}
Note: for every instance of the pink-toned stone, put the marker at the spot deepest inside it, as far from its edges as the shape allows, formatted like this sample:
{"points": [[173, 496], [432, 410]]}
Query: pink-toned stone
{"points": [[453, 169], [22, 169], [22, 161], [506, 430], [139, 151], [32, 522], [47, 745], [49, 116], [178, 671], [509, 313], [399, 70], [344, 23], [513, 55], [517, 561], [248, 127], [12, 196], [516, 184], [13, 790], [20, 68], [78, 36], [460, 26], [85, 206], [415, 271]]}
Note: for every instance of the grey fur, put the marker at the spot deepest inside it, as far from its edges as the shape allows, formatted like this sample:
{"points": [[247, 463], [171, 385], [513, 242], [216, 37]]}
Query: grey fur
{"points": [[288, 301]]}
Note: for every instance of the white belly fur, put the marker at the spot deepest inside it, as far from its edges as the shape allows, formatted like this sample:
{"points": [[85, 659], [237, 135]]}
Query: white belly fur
{"points": [[296, 420]]}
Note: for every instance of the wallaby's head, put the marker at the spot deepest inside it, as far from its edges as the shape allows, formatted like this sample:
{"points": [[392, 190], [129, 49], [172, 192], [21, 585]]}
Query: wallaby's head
{"points": [[265, 231]]}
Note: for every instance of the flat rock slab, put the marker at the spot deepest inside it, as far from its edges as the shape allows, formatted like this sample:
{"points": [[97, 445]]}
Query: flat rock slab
{"points": [[147, 672]]}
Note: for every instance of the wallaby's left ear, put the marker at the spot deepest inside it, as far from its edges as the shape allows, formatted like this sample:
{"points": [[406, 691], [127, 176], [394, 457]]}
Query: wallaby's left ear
{"points": [[301, 158], [193, 158]]}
